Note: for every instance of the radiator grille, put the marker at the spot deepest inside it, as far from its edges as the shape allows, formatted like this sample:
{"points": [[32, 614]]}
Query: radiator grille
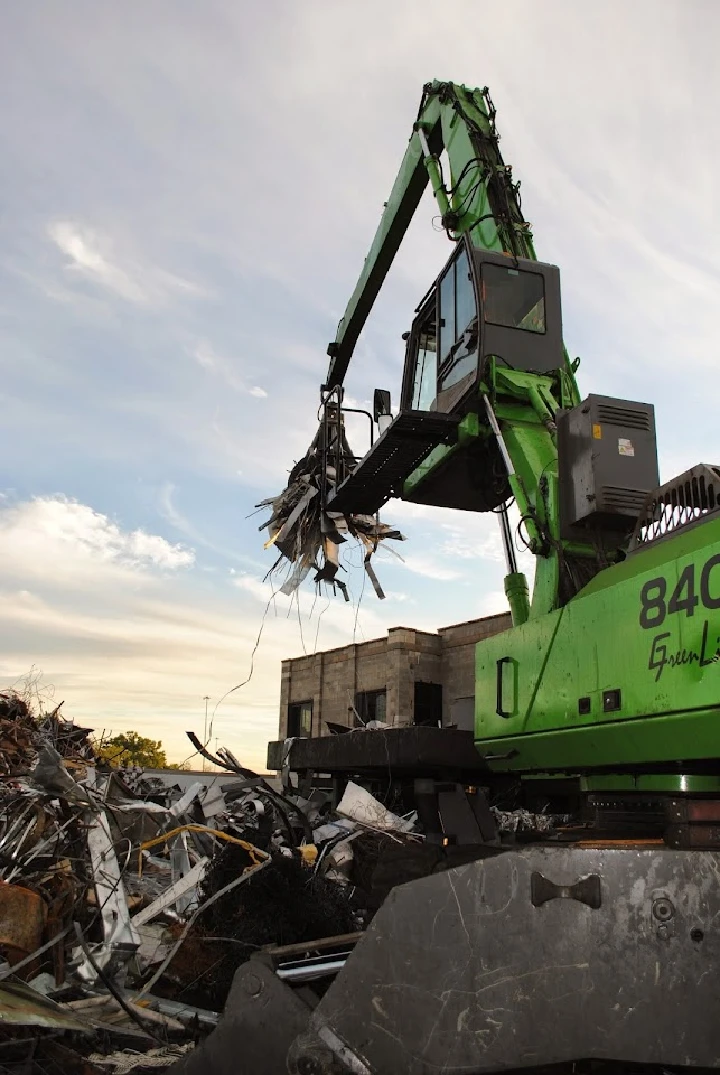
{"points": [[689, 497]]}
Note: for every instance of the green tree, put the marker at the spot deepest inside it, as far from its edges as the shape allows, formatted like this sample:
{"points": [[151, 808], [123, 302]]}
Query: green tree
{"points": [[131, 748]]}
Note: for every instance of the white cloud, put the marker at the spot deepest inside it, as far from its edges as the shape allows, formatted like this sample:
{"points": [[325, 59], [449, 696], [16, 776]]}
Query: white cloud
{"points": [[404, 509], [261, 591], [91, 256], [493, 603], [79, 542], [431, 567], [151, 548], [456, 538], [459, 544]]}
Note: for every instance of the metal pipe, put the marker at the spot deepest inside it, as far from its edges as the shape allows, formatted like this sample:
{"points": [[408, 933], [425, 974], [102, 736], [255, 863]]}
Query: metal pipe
{"points": [[432, 164], [308, 972], [516, 484], [510, 560], [499, 437]]}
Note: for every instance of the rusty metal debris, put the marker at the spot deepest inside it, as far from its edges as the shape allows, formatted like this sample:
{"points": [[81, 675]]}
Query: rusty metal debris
{"points": [[302, 528]]}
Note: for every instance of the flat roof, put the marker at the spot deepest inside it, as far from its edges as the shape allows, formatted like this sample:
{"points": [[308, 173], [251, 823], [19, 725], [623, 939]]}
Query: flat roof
{"points": [[475, 619], [381, 638]]}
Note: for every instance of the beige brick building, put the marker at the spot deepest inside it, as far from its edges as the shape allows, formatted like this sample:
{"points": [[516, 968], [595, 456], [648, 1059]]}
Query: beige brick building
{"points": [[408, 677]]}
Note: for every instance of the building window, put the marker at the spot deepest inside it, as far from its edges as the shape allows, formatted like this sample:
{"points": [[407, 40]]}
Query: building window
{"points": [[427, 709], [370, 705], [300, 720]]}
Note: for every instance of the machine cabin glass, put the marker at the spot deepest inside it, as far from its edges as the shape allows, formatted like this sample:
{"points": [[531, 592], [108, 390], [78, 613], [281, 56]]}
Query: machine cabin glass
{"points": [[458, 322], [424, 352], [513, 298], [443, 346]]}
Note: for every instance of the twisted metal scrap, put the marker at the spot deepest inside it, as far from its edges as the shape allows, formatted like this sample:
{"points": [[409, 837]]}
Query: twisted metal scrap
{"points": [[308, 535]]}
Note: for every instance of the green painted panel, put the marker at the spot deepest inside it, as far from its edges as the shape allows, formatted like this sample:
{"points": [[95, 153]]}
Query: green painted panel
{"points": [[646, 632]]}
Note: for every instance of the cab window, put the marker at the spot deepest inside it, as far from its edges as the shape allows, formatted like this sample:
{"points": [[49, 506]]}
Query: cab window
{"points": [[458, 325], [424, 383], [513, 298]]}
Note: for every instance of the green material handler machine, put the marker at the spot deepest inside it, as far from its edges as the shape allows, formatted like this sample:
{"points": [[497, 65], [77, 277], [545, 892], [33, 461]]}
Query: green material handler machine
{"points": [[609, 677]]}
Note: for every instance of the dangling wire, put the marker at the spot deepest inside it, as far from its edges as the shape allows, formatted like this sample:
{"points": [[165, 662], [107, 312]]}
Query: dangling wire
{"points": [[357, 607], [302, 639], [317, 632]]}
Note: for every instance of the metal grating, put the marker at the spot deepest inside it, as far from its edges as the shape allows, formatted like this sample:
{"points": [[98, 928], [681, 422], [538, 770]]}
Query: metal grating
{"points": [[685, 500], [628, 417], [394, 456]]}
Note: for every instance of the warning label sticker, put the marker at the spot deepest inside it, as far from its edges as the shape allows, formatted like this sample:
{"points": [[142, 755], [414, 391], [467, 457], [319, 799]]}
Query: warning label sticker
{"points": [[625, 447]]}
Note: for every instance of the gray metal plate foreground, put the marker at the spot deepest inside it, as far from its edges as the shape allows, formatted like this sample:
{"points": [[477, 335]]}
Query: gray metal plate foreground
{"points": [[262, 1016], [460, 972]]}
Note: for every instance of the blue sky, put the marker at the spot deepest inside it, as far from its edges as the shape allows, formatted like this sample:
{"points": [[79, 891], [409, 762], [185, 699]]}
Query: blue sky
{"points": [[186, 197]]}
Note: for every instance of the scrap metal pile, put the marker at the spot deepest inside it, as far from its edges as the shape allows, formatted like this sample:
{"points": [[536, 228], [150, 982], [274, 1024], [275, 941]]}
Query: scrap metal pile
{"points": [[117, 892], [308, 535], [128, 902]]}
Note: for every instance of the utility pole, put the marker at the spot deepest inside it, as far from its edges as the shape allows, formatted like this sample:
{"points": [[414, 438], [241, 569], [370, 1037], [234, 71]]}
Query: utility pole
{"points": [[204, 761]]}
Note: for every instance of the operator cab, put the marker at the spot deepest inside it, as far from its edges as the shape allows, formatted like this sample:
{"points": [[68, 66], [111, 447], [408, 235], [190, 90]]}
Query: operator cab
{"points": [[482, 304]]}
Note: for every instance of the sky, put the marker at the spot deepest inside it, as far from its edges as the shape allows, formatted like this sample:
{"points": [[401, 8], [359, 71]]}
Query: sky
{"points": [[187, 193]]}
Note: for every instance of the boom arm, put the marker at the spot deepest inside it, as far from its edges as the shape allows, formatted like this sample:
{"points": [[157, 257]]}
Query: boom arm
{"points": [[481, 199]]}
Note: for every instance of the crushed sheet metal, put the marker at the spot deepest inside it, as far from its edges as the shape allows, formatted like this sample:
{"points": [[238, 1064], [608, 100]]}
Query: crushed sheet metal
{"points": [[22, 1006], [213, 801], [183, 1012], [153, 944], [180, 867], [171, 895], [186, 800], [50, 774], [305, 533], [141, 807], [359, 805], [118, 932]]}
